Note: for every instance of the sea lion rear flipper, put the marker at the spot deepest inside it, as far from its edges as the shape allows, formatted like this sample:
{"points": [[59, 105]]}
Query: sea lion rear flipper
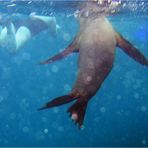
{"points": [[70, 49], [129, 49], [77, 111], [58, 101]]}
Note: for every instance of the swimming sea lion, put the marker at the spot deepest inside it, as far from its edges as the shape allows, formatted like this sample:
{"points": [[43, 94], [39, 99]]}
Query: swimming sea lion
{"points": [[96, 43], [17, 29]]}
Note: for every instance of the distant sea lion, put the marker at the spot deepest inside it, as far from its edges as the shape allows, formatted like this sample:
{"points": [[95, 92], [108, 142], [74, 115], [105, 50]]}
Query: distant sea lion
{"points": [[96, 43]]}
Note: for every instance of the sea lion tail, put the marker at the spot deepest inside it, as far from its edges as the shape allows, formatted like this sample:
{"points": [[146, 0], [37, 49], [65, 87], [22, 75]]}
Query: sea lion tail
{"points": [[129, 49], [58, 101], [77, 111]]}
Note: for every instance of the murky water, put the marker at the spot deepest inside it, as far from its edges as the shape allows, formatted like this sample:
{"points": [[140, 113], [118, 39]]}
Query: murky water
{"points": [[116, 116]]}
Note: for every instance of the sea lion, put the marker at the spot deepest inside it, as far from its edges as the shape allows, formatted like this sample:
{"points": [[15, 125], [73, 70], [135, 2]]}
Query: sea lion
{"points": [[17, 29], [95, 43]]}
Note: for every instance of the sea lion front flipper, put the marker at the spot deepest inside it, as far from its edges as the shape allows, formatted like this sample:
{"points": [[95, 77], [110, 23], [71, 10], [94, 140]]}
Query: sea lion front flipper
{"points": [[129, 49], [70, 49]]}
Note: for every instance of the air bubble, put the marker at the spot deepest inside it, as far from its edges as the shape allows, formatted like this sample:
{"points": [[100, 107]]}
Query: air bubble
{"points": [[12, 116], [118, 97], [67, 87], [60, 129], [66, 37], [56, 110], [54, 69], [102, 109], [144, 141], [1, 99], [25, 129], [26, 56], [45, 130], [136, 96], [44, 119], [143, 108]]}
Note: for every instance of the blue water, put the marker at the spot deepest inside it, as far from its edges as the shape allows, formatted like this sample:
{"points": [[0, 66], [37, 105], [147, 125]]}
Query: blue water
{"points": [[116, 116]]}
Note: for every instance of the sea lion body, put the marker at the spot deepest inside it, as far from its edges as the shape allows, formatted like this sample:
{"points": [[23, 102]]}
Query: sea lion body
{"points": [[95, 43], [96, 55]]}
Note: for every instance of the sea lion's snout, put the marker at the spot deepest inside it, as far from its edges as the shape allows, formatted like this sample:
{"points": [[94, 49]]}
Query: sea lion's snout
{"points": [[101, 2], [99, 7]]}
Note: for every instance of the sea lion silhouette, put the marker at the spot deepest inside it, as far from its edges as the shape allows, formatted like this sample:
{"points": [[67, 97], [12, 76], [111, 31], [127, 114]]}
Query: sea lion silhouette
{"points": [[95, 43]]}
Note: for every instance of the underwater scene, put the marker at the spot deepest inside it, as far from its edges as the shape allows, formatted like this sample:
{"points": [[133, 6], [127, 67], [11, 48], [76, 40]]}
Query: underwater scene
{"points": [[31, 32]]}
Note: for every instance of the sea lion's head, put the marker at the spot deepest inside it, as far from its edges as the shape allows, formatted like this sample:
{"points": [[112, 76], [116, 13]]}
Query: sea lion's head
{"points": [[92, 8]]}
